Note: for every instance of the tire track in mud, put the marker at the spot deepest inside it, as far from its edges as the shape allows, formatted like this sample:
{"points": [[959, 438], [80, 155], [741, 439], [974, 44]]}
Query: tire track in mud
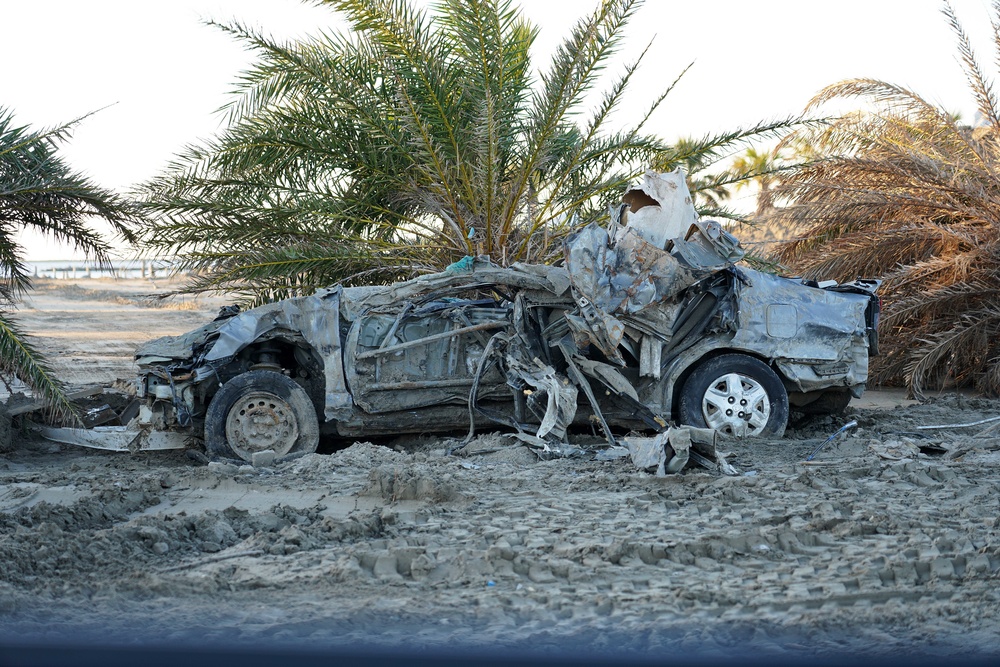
{"points": [[700, 550], [589, 552]]}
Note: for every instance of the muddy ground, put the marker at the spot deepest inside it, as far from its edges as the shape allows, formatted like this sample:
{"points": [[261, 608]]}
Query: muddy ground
{"points": [[889, 547]]}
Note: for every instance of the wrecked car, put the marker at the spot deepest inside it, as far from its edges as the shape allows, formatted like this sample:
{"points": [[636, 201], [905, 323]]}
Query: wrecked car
{"points": [[648, 322]]}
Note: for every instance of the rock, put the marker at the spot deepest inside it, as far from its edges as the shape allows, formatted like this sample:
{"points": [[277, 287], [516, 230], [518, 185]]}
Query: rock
{"points": [[223, 468], [385, 566], [262, 459]]}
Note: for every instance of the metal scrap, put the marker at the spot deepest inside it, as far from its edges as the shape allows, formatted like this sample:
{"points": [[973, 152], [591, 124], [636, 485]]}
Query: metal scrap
{"points": [[659, 207], [670, 450], [116, 438], [849, 425]]}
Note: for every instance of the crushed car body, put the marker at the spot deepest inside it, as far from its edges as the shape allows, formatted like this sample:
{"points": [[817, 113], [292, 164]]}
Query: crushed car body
{"points": [[648, 323]]}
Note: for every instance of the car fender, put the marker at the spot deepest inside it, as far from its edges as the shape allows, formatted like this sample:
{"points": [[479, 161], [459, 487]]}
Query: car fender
{"points": [[664, 391]]}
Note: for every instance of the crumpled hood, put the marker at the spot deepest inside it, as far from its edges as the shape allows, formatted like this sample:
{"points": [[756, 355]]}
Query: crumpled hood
{"points": [[176, 348]]}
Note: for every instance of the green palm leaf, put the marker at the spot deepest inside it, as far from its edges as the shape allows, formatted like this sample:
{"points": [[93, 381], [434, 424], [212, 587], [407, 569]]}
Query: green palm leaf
{"points": [[39, 191], [415, 138]]}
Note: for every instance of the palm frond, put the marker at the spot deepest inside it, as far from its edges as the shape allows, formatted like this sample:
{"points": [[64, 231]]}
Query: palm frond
{"points": [[416, 137], [39, 191], [902, 190], [21, 359], [981, 86]]}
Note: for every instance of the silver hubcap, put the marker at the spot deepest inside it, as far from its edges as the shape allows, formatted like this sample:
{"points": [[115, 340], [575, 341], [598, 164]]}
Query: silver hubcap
{"points": [[261, 421], [736, 405]]}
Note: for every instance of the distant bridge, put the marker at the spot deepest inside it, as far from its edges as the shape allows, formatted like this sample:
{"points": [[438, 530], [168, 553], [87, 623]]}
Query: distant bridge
{"points": [[81, 269]]}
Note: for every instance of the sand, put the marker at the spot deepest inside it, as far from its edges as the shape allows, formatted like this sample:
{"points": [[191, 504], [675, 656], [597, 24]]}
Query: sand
{"points": [[889, 547]]}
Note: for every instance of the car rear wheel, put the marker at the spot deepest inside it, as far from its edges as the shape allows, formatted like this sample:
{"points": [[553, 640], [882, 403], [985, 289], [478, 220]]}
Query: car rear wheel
{"points": [[259, 411], [737, 395]]}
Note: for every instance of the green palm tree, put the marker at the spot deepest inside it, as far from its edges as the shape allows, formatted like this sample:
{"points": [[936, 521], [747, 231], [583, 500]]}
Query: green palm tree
{"points": [[39, 191], [761, 165], [909, 193], [402, 146]]}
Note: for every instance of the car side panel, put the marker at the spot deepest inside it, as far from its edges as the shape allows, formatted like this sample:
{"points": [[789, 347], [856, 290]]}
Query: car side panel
{"points": [[816, 337], [418, 364]]}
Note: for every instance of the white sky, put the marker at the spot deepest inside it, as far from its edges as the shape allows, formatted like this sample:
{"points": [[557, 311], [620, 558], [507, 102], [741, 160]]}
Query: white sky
{"points": [[165, 72]]}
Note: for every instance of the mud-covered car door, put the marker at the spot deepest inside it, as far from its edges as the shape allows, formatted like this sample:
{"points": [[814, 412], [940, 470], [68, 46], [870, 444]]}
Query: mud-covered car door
{"points": [[423, 355]]}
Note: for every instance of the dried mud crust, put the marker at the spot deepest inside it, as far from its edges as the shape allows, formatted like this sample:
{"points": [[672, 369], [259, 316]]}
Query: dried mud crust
{"points": [[880, 551]]}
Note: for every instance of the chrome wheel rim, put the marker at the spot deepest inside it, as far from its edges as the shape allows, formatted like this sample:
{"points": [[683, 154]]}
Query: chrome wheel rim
{"points": [[737, 405]]}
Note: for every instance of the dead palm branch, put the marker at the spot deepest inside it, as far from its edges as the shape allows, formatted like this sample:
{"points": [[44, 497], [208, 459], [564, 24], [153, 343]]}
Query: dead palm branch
{"points": [[910, 194]]}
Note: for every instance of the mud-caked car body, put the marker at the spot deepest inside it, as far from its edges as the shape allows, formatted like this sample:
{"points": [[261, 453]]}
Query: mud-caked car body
{"points": [[624, 335]]}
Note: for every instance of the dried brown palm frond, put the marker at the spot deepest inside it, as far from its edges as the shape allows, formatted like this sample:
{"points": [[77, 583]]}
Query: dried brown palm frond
{"points": [[908, 193]]}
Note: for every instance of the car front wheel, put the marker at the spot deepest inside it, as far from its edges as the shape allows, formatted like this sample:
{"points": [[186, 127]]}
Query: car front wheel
{"points": [[736, 395], [259, 411]]}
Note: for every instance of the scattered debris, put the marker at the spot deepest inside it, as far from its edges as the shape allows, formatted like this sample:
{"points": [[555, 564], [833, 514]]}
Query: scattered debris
{"points": [[967, 425], [895, 449], [116, 438], [25, 406], [670, 451], [849, 425]]}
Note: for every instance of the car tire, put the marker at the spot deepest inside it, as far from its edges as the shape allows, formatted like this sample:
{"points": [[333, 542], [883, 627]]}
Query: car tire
{"points": [[737, 395], [259, 411]]}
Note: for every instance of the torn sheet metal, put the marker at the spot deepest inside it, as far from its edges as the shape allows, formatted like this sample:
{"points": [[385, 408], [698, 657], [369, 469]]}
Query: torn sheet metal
{"points": [[554, 397], [607, 375], [670, 451], [652, 454], [548, 394], [615, 283], [707, 246], [660, 207], [621, 277], [116, 438]]}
